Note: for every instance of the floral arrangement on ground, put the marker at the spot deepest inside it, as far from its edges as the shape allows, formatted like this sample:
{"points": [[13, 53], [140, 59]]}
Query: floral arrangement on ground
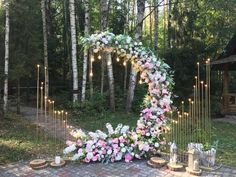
{"points": [[123, 142]]}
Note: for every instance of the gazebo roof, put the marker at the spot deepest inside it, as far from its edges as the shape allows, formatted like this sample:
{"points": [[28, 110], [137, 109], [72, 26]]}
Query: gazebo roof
{"points": [[227, 57]]}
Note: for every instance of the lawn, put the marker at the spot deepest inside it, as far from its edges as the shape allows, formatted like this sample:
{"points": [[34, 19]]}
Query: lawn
{"points": [[18, 137], [18, 141], [98, 121], [226, 134]]}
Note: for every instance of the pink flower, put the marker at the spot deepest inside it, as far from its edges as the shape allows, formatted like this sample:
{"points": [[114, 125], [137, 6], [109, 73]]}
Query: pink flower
{"points": [[115, 141], [79, 143], [86, 160], [95, 158], [128, 157], [68, 142], [147, 113], [104, 152], [122, 140], [115, 146]]}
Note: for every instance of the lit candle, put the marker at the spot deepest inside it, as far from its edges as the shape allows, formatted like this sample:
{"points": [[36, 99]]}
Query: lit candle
{"points": [[41, 91], [57, 160]]}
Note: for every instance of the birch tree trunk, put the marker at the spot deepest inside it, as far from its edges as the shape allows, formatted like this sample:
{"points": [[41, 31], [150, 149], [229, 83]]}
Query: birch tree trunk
{"points": [[111, 80], [138, 37], [107, 55], [156, 16], [6, 65], [85, 60], [169, 24], [73, 50], [45, 46], [104, 23]]}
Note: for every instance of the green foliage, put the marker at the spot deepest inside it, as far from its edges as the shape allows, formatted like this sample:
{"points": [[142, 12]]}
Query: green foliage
{"points": [[95, 105]]}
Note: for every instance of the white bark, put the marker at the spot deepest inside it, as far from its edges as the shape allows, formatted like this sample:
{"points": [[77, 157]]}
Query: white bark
{"points": [[85, 60], [107, 55], [111, 80], [45, 46], [104, 22], [6, 66], [138, 37], [74, 50]]}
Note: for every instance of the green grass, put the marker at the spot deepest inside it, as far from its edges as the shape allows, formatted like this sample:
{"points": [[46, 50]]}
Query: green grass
{"points": [[18, 141], [98, 121], [226, 134]]}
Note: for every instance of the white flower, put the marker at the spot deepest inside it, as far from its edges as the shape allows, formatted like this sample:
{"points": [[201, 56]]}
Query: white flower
{"points": [[157, 145], [123, 150], [118, 156], [137, 156], [69, 149], [128, 40], [122, 145], [109, 151], [101, 134], [93, 135], [89, 155], [124, 130], [147, 134], [75, 157], [110, 128], [117, 130]]}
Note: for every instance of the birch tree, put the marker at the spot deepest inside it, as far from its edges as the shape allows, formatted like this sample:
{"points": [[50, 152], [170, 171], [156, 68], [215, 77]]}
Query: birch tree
{"points": [[107, 55], [45, 46], [156, 24], [73, 50], [6, 65], [138, 37], [85, 59]]}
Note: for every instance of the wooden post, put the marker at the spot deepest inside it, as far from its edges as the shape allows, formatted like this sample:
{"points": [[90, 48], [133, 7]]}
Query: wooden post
{"points": [[225, 89]]}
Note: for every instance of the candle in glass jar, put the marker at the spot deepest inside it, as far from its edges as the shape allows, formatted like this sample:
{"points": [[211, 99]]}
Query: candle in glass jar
{"points": [[57, 160]]}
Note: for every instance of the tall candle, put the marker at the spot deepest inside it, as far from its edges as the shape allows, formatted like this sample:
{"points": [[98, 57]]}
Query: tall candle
{"points": [[37, 116]]}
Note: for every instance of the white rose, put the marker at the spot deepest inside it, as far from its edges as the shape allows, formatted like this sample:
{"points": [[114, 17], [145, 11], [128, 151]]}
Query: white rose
{"points": [[123, 150], [157, 145], [109, 151]]}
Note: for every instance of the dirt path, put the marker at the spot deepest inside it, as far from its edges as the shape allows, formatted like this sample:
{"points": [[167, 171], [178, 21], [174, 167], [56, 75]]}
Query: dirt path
{"points": [[54, 126]]}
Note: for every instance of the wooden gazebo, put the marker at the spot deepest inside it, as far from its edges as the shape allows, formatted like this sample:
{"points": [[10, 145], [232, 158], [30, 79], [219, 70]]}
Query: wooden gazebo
{"points": [[227, 63]]}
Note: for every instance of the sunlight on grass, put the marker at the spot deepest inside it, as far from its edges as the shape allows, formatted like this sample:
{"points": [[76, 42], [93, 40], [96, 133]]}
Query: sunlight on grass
{"points": [[18, 141]]}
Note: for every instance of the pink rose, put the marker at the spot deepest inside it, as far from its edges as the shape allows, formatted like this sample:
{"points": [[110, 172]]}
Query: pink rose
{"points": [[115, 146], [128, 157], [86, 160], [95, 158]]}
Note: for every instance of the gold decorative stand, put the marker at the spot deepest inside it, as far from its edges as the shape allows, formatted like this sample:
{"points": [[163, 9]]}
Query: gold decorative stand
{"points": [[156, 162], [38, 164]]}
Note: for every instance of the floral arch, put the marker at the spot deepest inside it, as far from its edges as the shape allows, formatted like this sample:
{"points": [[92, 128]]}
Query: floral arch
{"points": [[122, 142]]}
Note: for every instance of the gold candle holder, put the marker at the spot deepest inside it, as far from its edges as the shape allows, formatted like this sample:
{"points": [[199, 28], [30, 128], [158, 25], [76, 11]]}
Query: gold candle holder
{"points": [[37, 110]]}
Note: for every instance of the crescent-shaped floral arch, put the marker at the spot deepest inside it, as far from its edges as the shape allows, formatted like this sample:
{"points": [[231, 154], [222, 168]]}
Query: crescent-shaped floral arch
{"points": [[121, 142]]}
